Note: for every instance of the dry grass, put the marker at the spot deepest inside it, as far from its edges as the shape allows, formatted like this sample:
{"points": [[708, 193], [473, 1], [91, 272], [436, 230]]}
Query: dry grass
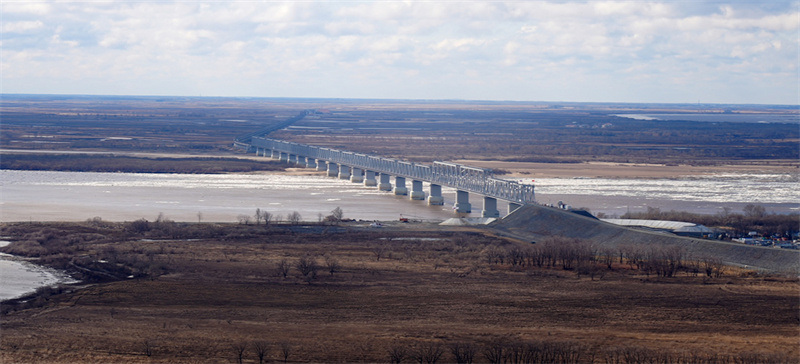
{"points": [[223, 292]]}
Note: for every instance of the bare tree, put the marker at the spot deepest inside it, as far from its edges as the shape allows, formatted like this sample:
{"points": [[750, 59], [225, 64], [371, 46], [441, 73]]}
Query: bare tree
{"points": [[244, 219], [238, 350], [261, 348], [464, 353], [397, 353], [258, 216], [494, 351], [147, 348], [307, 265], [267, 217], [754, 211], [286, 350], [379, 250], [428, 352], [282, 269], [712, 266], [332, 264], [294, 218], [336, 215]]}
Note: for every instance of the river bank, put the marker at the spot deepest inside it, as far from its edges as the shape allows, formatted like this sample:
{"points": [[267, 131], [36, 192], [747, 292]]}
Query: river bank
{"points": [[21, 276]]}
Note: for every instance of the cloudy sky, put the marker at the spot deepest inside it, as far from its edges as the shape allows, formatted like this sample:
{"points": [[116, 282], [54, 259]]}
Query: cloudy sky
{"points": [[622, 51]]}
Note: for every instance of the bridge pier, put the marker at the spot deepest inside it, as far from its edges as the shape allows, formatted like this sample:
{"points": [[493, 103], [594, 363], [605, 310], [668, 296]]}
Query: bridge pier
{"points": [[462, 205], [513, 206], [301, 161], [490, 207], [357, 175], [435, 197], [385, 185], [369, 178], [276, 154], [344, 172], [400, 186], [333, 169], [416, 190], [311, 163], [322, 165]]}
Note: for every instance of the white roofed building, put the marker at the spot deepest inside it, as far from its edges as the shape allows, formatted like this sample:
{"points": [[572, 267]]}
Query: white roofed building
{"points": [[675, 227]]}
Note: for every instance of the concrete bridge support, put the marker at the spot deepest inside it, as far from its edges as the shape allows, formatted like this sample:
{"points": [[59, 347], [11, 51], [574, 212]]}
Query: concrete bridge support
{"points": [[462, 205], [301, 161], [333, 169], [276, 154], [369, 178], [400, 186], [435, 197], [513, 206], [357, 176], [311, 163], [416, 190], [385, 185], [344, 171], [284, 157], [490, 207], [322, 165]]}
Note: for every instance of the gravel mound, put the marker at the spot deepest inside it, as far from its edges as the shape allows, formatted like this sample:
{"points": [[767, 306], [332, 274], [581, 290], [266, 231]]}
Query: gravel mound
{"points": [[535, 222]]}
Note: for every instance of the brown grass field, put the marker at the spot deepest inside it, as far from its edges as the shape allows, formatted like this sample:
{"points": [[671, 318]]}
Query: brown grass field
{"points": [[410, 287]]}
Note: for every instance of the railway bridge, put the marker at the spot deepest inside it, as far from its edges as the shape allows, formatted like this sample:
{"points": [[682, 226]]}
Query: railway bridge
{"points": [[378, 172]]}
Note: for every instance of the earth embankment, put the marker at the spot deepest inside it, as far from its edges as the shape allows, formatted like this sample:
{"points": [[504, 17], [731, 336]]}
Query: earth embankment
{"points": [[533, 222]]}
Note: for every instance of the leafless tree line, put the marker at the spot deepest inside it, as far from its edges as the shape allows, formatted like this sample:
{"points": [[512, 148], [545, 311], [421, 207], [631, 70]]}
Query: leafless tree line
{"points": [[308, 266], [336, 215], [588, 259], [514, 351], [261, 350]]}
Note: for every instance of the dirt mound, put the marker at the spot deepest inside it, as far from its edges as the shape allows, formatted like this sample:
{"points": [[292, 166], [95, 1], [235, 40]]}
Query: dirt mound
{"points": [[534, 222]]}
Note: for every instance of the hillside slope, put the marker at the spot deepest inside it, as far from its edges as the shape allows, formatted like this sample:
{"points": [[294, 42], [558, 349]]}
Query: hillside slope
{"points": [[534, 222]]}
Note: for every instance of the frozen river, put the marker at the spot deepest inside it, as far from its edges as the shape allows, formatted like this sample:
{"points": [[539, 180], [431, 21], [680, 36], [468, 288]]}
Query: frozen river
{"points": [[77, 196]]}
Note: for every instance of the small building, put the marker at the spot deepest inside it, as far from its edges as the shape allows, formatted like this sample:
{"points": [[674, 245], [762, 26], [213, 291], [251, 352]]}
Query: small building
{"points": [[676, 227]]}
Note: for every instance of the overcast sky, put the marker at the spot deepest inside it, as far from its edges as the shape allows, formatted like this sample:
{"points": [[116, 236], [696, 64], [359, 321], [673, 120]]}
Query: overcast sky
{"points": [[619, 51]]}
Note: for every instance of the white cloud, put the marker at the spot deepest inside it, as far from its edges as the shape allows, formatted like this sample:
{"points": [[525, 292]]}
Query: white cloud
{"points": [[538, 50]]}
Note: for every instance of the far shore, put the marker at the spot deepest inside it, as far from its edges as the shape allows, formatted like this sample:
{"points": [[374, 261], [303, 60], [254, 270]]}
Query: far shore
{"points": [[632, 170], [521, 170]]}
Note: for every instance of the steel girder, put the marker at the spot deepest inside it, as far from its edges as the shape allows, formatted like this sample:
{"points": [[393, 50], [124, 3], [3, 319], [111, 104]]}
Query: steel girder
{"points": [[476, 180]]}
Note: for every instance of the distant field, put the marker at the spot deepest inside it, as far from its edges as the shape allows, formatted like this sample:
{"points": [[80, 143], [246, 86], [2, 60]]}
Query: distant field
{"points": [[112, 163], [414, 130]]}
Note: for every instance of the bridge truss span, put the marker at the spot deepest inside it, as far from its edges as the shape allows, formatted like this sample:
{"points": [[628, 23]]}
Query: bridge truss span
{"points": [[464, 178]]}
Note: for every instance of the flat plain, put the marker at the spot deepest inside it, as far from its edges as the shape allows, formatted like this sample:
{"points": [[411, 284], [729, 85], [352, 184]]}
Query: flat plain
{"points": [[404, 288], [177, 292]]}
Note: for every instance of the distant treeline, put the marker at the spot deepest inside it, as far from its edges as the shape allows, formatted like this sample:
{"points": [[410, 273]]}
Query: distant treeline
{"points": [[754, 218], [112, 163]]}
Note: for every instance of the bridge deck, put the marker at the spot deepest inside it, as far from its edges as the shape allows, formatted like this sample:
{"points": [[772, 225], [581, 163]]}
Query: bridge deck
{"points": [[461, 177]]}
